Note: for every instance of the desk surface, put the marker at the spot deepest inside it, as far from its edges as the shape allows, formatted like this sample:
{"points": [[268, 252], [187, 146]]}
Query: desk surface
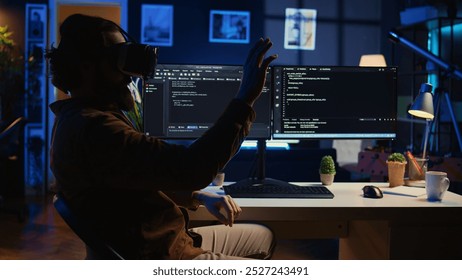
{"points": [[393, 227], [348, 203], [351, 195]]}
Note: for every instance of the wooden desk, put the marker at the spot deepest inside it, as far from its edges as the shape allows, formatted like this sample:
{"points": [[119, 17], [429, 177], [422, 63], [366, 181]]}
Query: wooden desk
{"points": [[394, 227]]}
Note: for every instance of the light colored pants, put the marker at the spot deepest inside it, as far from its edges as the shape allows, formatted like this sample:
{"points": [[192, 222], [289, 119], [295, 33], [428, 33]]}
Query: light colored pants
{"points": [[240, 241]]}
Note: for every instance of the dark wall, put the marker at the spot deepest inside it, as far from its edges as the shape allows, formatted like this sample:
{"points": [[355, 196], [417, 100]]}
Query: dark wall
{"points": [[191, 30], [344, 30]]}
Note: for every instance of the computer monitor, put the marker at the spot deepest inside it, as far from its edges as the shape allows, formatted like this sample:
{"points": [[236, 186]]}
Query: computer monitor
{"points": [[183, 101], [334, 102]]}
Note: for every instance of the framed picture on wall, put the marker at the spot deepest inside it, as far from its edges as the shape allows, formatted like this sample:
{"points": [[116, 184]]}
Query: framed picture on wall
{"points": [[157, 25], [35, 99], [229, 27], [36, 82], [300, 29], [36, 22]]}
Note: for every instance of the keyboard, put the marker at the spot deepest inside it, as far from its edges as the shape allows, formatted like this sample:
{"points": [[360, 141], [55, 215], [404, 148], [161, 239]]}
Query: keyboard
{"points": [[276, 189]]}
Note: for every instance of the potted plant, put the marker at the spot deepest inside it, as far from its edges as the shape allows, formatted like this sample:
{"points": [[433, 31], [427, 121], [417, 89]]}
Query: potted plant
{"points": [[327, 170], [396, 163], [11, 76]]}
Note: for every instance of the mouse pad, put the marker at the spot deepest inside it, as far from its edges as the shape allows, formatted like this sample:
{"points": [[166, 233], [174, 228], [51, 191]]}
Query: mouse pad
{"points": [[406, 191], [414, 183]]}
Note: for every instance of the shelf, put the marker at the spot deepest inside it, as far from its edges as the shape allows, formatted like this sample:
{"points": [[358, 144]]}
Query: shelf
{"points": [[431, 24]]}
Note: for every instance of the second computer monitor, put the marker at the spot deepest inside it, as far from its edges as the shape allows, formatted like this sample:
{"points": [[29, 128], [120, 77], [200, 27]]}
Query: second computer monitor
{"points": [[183, 101], [334, 102]]}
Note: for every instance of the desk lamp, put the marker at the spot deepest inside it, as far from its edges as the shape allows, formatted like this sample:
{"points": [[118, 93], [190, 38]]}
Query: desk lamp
{"points": [[423, 108], [372, 60]]}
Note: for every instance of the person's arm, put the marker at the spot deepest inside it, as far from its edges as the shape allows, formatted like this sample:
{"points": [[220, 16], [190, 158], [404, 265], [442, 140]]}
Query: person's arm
{"points": [[121, 157], [129, 159], [223, 207]]}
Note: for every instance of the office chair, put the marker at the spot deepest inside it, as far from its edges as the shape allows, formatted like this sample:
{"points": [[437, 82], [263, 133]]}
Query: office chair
{"points": [[97, 248], [10, 144]]}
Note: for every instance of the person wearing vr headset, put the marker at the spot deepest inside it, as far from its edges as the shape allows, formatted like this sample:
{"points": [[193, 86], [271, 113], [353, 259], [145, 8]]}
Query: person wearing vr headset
{"points": [[133, 188]]}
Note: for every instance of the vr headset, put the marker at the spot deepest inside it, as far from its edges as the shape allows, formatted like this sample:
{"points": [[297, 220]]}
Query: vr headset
{"points": [[135, 59]]}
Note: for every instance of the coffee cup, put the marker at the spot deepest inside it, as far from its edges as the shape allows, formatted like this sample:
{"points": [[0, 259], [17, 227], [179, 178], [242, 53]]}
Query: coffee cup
{"points": [[436, 184]]}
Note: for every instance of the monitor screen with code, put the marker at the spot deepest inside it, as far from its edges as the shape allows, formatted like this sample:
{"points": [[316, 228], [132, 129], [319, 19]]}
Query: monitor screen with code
{"points": [[334, 102]]}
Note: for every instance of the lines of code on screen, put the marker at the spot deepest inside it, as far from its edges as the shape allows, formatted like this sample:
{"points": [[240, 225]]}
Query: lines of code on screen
{"points": [[334, 102]]}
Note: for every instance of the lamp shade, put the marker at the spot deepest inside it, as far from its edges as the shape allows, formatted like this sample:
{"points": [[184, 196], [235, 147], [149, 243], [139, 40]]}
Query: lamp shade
{"points": [[423, 103], [372, 60]]}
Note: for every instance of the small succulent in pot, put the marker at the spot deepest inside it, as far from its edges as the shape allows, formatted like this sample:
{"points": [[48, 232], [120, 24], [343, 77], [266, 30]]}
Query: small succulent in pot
{"points": [[327, 170], [396, 163], [397, 157]]}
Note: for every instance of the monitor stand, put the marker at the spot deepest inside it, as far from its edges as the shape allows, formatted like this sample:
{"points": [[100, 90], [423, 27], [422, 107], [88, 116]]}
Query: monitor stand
{"points": [[260, 180]]}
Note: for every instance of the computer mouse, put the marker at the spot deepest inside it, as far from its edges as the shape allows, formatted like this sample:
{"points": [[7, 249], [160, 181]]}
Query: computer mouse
{"points": [[372, 192]]}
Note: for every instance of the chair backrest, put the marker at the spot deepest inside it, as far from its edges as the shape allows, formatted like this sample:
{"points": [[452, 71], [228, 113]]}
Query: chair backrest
{"points": [[97, 248], [10, 138]]}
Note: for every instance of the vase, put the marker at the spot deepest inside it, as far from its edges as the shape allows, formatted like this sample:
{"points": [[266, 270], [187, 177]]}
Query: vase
{"points": [[396, 173], [327, 179]]}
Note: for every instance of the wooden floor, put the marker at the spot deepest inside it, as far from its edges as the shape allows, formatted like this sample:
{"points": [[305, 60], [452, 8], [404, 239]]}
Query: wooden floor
{"points": [[43, 235]]}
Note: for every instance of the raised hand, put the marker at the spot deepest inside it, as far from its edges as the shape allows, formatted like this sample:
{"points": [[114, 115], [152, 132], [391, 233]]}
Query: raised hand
{"points": [[255, 67]]}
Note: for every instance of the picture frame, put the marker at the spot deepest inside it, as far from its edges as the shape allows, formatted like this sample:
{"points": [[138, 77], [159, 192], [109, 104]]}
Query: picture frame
{"points": [[300, 29], [35, 98], [36, 22], [157, 25], [229, 27]]}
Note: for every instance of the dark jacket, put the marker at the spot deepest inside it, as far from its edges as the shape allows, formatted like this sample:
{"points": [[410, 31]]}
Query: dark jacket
{"points": [[129, 185]]}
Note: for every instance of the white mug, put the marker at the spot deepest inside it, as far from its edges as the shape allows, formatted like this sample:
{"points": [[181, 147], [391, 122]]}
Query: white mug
{"points": [[436, 184]]}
